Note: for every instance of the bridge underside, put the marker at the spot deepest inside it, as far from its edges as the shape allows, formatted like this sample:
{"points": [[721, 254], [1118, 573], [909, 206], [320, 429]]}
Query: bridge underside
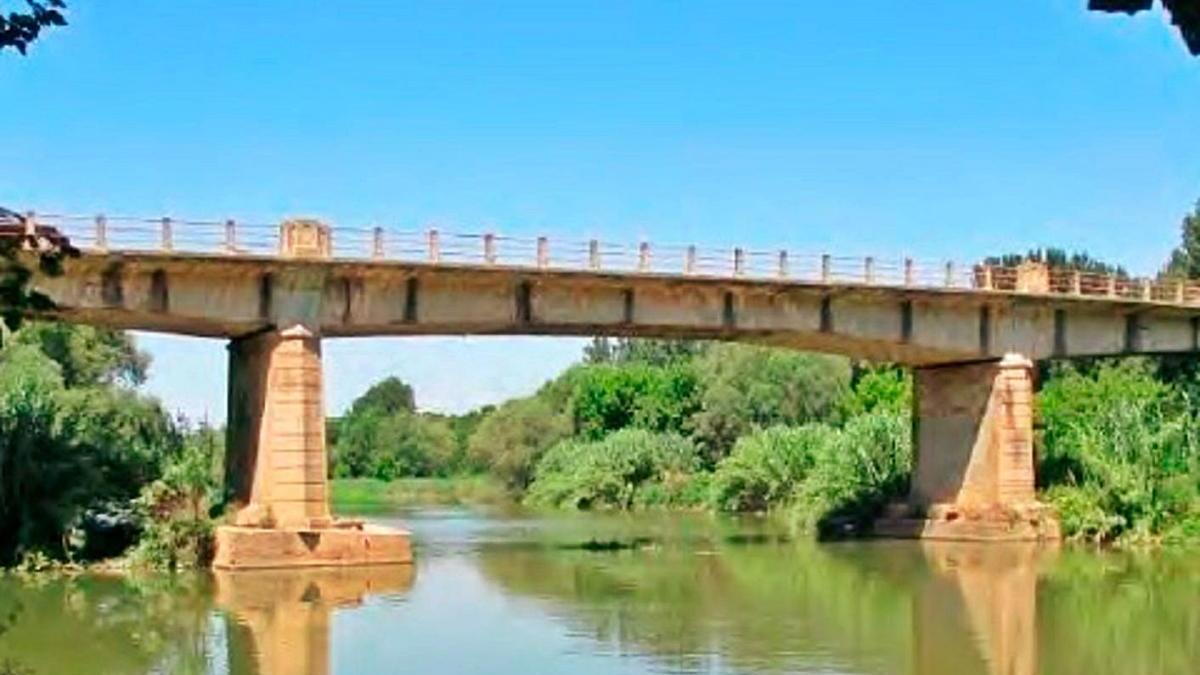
{"points": [[971, 351]]}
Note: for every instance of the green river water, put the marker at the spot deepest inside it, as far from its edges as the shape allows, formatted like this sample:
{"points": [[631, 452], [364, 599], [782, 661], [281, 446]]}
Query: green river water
{"points": [[515, 593]]}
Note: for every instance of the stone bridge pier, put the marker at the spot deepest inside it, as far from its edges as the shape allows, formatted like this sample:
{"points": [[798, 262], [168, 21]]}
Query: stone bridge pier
{"points": [[276, 465], [973, 469]]}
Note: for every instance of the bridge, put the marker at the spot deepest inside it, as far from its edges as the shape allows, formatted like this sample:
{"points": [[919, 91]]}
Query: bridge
{"points": [[969, 331]]}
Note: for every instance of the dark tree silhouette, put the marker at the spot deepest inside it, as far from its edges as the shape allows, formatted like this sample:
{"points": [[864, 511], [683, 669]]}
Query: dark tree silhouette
{"points": [[1184, 13], [18, 29]]}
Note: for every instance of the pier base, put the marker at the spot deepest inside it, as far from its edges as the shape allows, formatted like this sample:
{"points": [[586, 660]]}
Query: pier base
{"points": [[258, 548]]}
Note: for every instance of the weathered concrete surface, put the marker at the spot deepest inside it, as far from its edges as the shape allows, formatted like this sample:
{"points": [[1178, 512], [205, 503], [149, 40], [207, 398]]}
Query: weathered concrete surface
{"points": [[211, 295], [275, 452], [286, 615], [973, 474], [340, 545]]}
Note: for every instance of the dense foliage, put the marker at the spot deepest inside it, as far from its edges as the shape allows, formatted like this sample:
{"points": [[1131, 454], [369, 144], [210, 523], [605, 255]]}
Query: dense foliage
{"points": [[77, 442], [626, 469], [1121, 453]]}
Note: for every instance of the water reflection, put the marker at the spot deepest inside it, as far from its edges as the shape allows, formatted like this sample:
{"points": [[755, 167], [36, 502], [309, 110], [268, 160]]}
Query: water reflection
{"points": [[874, 607], [521, 594], [279, 620]]}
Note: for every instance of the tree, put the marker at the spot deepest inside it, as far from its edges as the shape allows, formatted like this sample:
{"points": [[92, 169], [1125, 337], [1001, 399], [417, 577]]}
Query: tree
{"points": [[747, 388], [609, 397], [88, 356], [375, 444], [72, 451], [1185, 259], [640, 350], [389, 396], [1059, 259], [510, 441], [1184, 13], [19, 29]]}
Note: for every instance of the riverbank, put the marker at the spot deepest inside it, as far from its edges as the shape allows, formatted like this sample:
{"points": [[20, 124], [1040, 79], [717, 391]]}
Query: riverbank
{"points": [[369, 494]]}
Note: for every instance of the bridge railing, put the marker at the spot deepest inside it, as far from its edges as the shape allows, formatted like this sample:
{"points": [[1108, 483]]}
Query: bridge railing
{"points": [[433, 246]]}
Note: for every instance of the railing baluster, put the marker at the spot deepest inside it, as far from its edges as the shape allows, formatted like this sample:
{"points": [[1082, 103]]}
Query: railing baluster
{"points": [[543, 252], [739, 262], [689, 260], [594, 254], [644, 257], [782, 269], [909, 272], [101, 233], [949, 274], [167, 238], [489, 248], [231, 243], [435, 247], [869, 270], [826, 270], [377, 243]]}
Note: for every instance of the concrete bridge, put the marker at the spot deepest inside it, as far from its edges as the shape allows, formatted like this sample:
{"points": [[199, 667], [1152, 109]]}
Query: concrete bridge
{"points": [[971, 333]]}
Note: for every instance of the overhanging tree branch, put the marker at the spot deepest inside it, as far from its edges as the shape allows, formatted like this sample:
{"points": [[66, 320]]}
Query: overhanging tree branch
{"points": [[1184, 13], [18, 29]]}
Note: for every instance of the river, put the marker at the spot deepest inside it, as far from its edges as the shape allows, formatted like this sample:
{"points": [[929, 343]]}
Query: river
{"points": [[511, 592]]}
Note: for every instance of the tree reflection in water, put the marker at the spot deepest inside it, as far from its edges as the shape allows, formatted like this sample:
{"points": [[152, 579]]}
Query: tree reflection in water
{"points": [[874, 607]]}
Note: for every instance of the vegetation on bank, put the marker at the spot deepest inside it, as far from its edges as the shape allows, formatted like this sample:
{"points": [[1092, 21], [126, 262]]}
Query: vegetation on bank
{"points": [[88, 465], [371, 494]]}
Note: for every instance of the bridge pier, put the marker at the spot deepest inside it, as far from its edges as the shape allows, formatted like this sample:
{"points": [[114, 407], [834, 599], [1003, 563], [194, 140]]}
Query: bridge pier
{"points": [[973, 469], [276, 464]]}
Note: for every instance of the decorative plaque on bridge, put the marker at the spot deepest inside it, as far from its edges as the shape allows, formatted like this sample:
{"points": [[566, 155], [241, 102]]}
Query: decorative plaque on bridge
{"points": [[304, 238]]}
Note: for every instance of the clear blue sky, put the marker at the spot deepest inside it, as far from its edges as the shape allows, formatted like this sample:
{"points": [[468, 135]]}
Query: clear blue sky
{"points": [[961, 129]]}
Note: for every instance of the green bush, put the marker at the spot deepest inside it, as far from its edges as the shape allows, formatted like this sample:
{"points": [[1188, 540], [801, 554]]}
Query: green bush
{"points": [[879, 388], [178, 511], [1120, 452], [607, 398], [867, 465], [626, 469], [68, 454], [766, 467], [823, 474]]}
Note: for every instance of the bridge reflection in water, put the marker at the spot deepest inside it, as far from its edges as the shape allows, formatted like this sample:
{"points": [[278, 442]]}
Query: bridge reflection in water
{"points": [[931, 608], [279, 620]]}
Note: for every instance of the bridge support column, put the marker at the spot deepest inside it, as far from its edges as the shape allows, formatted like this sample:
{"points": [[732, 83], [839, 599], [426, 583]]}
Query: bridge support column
{"points": [[973, 470], [276, 465]]}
